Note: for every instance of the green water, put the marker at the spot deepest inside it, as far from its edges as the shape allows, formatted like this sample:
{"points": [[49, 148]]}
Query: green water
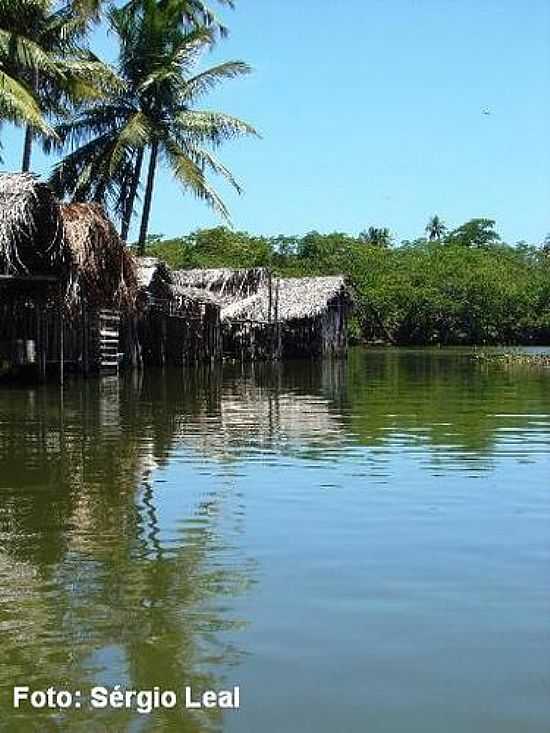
{"points": [[360, 547]]}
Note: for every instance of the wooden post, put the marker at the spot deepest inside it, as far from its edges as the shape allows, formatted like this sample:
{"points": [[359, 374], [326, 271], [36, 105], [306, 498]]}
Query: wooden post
{"points": [[277, 347], [85, 339], [270, 295], [61, 338], [41, 342]]}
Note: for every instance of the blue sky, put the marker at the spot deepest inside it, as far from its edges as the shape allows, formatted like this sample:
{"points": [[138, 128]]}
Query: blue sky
{"points": [[371, 114]]}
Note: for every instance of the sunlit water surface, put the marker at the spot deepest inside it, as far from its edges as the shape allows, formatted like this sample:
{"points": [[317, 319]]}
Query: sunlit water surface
{"points": [[360, 546]]}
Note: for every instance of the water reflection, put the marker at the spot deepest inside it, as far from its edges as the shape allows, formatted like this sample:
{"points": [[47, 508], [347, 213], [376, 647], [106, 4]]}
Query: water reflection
{"points": [[92, 592], [122, 517], [438, 405]]}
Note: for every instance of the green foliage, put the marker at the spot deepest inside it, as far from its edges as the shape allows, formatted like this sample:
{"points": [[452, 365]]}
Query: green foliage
{"points": [[377, 237], [423, 292], [219, 247], [435, 228], [45, 68], [475, 233]]}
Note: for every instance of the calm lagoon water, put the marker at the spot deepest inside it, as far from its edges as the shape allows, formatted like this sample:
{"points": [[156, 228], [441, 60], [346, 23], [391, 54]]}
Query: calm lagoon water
{"points": [[362, 547]]}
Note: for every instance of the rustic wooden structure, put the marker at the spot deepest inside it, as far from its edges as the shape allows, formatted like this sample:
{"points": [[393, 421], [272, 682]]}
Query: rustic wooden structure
{"points": [[268, 318], [66, 279], [102, 287], [242, 339], [177, 324], [297, 317], [29, 328], [73, 296]]}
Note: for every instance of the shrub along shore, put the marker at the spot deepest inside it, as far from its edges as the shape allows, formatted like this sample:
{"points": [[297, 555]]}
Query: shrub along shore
{"points": [[511, 358], [464, 288]]}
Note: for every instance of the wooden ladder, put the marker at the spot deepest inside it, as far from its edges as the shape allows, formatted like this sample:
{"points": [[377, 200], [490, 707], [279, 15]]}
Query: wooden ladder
{"points": [[108, 332]]}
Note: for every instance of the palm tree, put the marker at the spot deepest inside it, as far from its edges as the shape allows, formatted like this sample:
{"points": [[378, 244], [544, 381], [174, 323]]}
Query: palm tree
{"points": [[44, 50], [156, 114], [435, 228], [377, 237], [20, 57], [192, 13]]}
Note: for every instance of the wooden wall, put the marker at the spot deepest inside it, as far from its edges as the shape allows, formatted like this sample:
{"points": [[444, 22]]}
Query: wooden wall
{"points": [[180, 336]]}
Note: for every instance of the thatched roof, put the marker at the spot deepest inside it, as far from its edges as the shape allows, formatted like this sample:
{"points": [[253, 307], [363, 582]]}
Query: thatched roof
{"points": [[146, 269], [31, 241], [161, 283], [229, 285], [298, 298], [242, 294], [103, 269], [197, 295], [75, 242]]}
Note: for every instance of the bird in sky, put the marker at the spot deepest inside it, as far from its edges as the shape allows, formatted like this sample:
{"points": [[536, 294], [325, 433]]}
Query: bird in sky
{"points": [[486, 112]]}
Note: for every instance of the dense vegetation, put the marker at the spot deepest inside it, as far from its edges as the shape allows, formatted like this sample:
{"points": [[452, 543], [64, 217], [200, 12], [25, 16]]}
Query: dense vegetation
{"points": [[463, 287]]}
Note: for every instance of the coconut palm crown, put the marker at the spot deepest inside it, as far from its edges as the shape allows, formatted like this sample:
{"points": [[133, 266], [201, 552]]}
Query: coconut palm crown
{"points": [[45, 67], [155, 114], [435, 228]]}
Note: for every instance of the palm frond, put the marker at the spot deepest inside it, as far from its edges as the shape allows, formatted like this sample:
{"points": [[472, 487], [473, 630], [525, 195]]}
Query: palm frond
{"points": [[18, 104], [102, 119], [192, 177], [210, 127], [134, 135], [86, 174], [211, 78], [207, 160], [21, 52]]}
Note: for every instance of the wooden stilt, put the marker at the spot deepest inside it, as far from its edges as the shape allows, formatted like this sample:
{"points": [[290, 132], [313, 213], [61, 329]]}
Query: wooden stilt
{"points": [[276, 352], [61, 340], [41, 342], [85, 339], [269, 296]]}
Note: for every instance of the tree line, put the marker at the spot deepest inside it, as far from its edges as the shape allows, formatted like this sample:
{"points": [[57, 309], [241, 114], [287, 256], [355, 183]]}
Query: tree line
{"points": [[113, 124], [463, 286]]}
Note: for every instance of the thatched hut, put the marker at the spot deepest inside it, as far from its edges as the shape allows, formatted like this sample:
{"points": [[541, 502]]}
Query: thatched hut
{"points": [[103, 270], [179, 324], [65, 277], [309, 315], [31, 232], [264, 317], [101, 291], [149, 268], [33, 261]]}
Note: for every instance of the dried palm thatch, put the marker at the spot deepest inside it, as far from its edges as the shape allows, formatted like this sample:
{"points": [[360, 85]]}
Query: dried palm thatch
{"points": [[146, 270], [104, 272], [292, 299], [154, 276], [229, 285], [197, 295], [163, 284], [31, 241]]}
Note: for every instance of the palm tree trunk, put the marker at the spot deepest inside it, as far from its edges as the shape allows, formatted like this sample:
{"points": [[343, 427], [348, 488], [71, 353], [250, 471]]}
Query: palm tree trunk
{"points": [[129, 208], [27, 146], [99, 196], [27, 149], [148, 197]]}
